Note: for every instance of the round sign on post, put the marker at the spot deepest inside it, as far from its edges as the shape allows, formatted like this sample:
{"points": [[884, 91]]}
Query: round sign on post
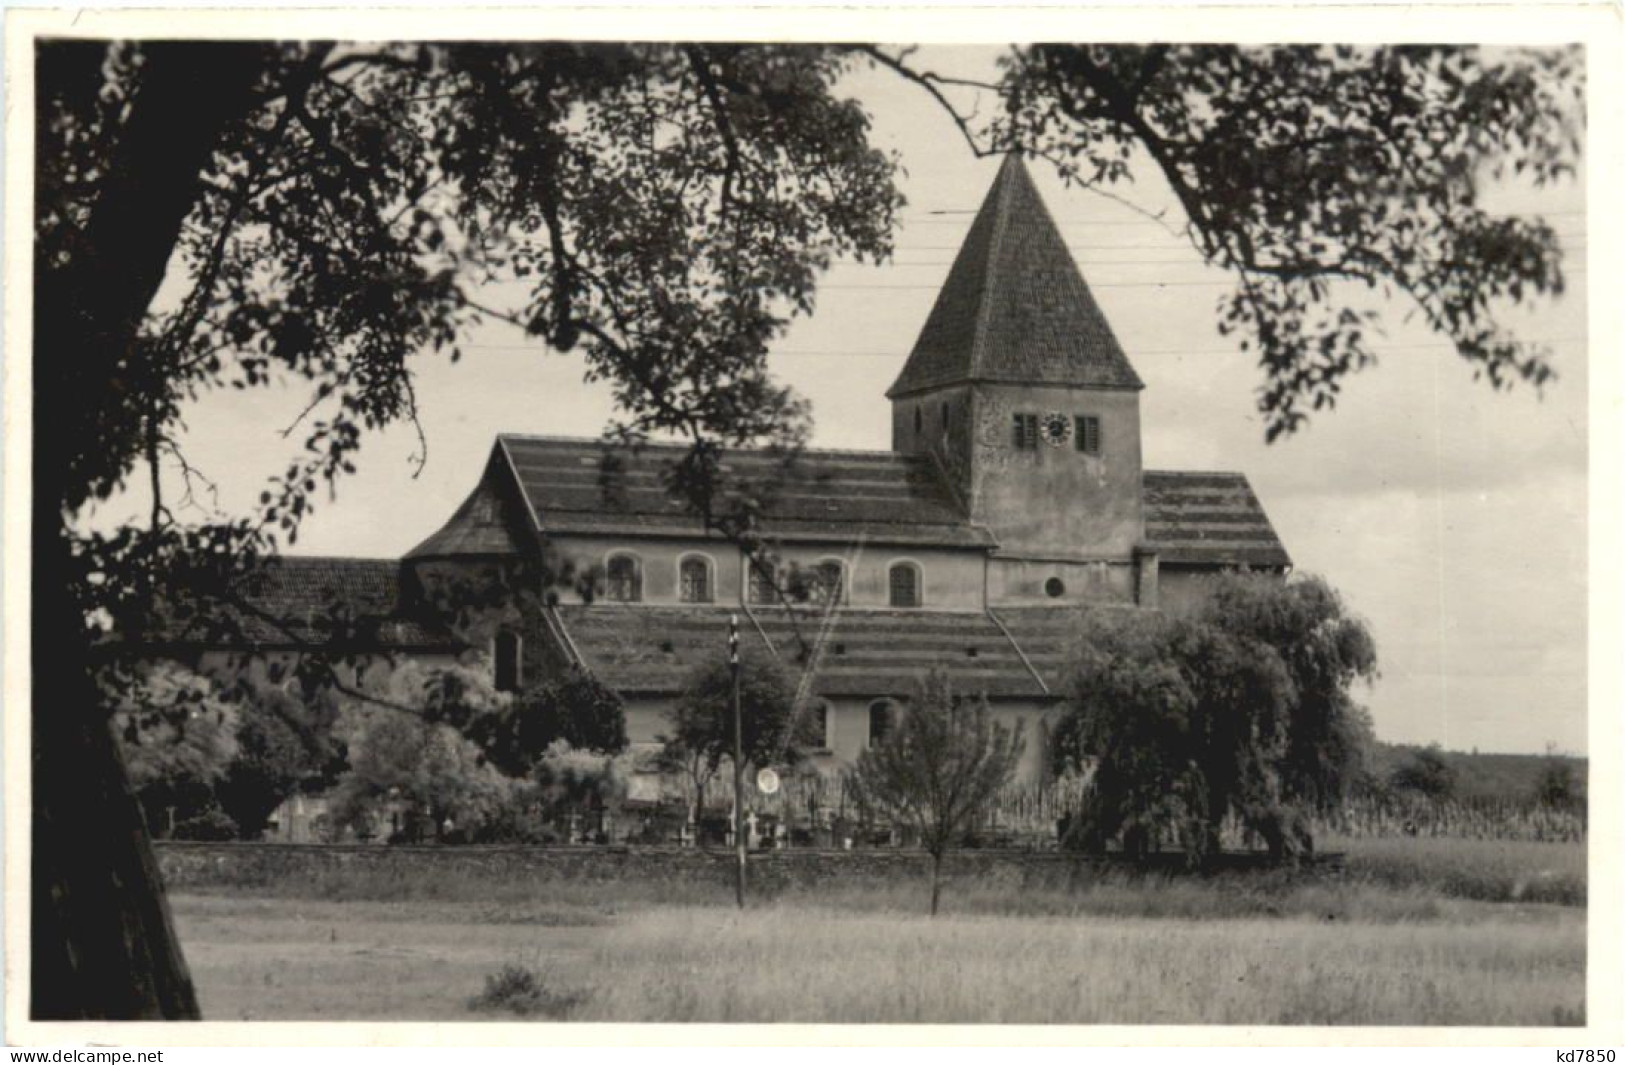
{"points": [[767, 782]]}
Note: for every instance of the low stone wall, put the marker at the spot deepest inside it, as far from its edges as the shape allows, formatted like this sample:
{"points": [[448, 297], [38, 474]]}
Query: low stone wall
{"points": [[205, 865], [210, 865]]}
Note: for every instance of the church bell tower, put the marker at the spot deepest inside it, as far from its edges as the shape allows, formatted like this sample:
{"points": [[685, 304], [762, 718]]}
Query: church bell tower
{"points": [[1022, 393]]}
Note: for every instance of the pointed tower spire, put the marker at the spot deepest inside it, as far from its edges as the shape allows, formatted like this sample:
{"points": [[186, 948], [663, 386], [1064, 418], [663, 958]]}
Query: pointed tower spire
{"points": [[1014, 309]]}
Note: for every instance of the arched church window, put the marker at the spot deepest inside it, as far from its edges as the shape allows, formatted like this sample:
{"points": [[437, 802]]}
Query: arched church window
{"points": [[694, 580], [828, 584], [623, 583], [919, 420], [880, 720], [508, 652], [904, 581], [762, 581], [818, 725]]}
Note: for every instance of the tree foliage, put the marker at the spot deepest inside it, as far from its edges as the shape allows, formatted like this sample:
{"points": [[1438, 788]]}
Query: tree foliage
{"points": [[1242, 709], [285, 743], [404, 756], [179, 737], [235, 746], [572, 780], [1559, 787], [938, 769], [575, 708], [1425, 773], [1313, 173], [701, 734]]}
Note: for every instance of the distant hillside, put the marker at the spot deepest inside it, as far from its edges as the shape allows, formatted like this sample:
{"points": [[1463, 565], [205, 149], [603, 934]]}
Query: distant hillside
{"points": [[1497, 776]]}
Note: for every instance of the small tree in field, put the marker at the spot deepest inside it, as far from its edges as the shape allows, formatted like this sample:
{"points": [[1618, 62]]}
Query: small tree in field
{"points": [[939, 769]]}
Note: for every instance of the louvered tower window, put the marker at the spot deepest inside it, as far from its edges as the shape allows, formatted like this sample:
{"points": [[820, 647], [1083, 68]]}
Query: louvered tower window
{"points": [[1026, 432], [1087, 433]]}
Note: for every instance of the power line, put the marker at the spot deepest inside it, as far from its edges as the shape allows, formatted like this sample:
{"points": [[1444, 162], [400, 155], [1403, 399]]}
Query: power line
{"points": [[917, 220], [1171, 247], [1092, 262], [540, 346], [1156, 352], [826, 286]]}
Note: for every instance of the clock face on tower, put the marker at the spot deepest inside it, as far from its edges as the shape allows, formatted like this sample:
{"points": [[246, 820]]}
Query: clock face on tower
{"points": [[1055, 428]]}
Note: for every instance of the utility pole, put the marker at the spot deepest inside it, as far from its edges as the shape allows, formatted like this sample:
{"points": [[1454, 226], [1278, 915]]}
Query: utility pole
{"points": [[739, 764]]}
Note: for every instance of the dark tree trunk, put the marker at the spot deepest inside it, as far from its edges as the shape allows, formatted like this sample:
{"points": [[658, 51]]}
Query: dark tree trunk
{"points": [[102, 943], [936, 881]]}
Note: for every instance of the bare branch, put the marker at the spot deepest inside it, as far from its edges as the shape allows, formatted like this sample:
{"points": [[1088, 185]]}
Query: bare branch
{"points": [[929, 82]]}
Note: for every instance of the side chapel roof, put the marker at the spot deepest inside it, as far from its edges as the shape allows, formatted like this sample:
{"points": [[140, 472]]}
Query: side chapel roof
{"points": [[1211, 519], [871, 653]]}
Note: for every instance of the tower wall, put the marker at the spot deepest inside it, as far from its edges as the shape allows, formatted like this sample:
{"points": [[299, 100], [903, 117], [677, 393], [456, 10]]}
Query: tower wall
{"points": [[940, 422], [1057, 502]]}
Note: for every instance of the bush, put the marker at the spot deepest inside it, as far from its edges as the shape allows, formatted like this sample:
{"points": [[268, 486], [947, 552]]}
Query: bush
{"points": [[521, 990], [576, 709], [518, 819], [212, 825], [1427, 773]]}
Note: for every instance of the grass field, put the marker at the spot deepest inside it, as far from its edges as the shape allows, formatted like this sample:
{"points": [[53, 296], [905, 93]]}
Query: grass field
{"points": [[1414, 933]]}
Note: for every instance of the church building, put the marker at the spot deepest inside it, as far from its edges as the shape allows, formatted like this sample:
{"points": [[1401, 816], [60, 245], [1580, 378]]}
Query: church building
{"points": [[1013, 496]]}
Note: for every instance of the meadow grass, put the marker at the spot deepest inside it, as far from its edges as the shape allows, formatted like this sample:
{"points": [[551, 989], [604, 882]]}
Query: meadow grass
{"points": [[827, 966], [1483, 869], [795, 960], [1411, 931]]}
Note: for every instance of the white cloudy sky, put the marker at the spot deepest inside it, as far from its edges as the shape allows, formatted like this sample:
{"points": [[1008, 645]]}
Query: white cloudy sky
{"points": [[1452, 517]]}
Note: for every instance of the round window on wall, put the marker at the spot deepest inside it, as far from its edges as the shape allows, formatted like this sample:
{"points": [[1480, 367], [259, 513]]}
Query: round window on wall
{"points": [[1055, 587]]}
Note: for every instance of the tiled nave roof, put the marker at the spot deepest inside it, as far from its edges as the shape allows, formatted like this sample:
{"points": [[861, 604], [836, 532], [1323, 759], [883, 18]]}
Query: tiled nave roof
{"points": [[884, 496], [1191, 517]]}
